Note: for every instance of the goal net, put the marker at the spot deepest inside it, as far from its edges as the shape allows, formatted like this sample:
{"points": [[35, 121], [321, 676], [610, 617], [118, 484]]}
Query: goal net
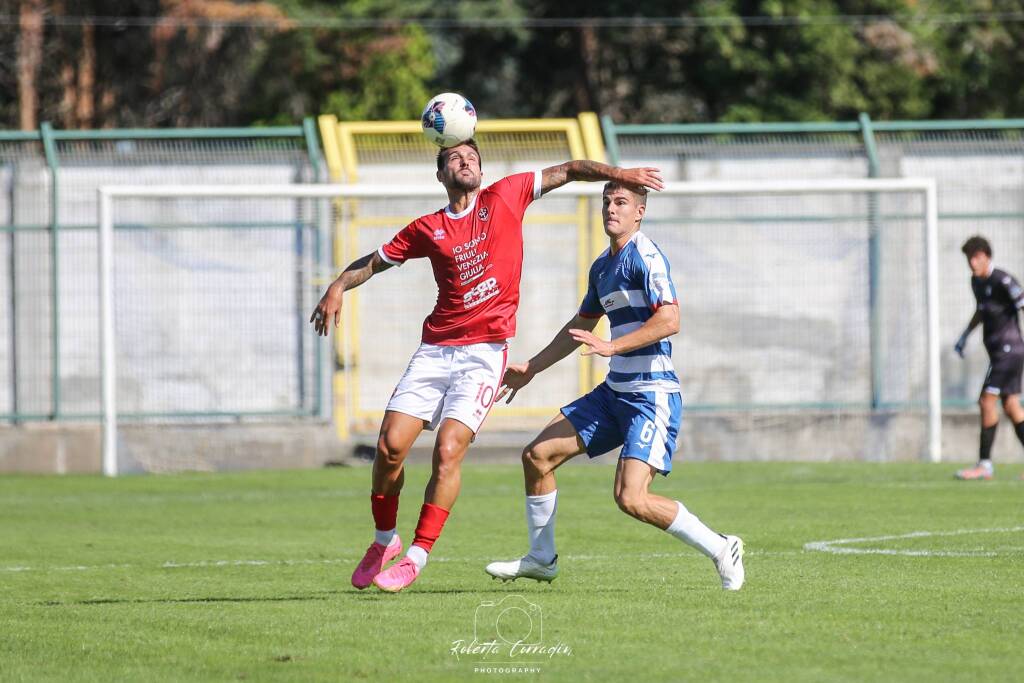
{"points": [[809, 313]]}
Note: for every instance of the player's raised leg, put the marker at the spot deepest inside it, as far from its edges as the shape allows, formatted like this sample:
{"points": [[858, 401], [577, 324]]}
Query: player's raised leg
{"points": [[633, 479], [398, 431], [556, 444], [442, 490]]}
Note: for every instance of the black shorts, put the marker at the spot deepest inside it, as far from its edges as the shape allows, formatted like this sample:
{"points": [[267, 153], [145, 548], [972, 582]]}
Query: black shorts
{"points": [[1004, 372]]}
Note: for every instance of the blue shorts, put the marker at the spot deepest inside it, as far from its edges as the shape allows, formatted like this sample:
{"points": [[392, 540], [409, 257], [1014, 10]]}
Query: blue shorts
{"points": [[645, 424]]}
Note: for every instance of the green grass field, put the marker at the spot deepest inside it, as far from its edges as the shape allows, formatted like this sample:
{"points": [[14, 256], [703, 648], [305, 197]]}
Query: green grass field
{"points": [[246, 577]]}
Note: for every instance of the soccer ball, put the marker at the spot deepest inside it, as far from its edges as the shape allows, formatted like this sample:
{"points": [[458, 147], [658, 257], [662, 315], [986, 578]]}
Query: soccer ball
{"points": [[448, 119]]}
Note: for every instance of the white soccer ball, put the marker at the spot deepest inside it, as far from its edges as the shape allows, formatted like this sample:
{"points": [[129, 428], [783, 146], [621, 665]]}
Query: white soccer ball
{"points": [[448, 119]]}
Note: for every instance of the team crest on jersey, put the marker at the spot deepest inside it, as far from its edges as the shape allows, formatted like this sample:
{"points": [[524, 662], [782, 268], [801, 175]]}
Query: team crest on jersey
{"points": [[439, 234], [483, 213]]}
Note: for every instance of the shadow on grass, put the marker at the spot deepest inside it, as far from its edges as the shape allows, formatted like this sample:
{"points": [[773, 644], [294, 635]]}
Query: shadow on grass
{"points": [[383, 595], [199, 600], [374, 596], [510, 588]]}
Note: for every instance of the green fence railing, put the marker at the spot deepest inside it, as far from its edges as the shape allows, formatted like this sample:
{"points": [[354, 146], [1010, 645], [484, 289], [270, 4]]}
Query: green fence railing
{"points": [[978, 166], [47, 226]]}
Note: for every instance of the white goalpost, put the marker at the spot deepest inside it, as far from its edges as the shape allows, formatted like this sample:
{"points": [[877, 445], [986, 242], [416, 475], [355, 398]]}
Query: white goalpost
{"points": [[111, 200]]}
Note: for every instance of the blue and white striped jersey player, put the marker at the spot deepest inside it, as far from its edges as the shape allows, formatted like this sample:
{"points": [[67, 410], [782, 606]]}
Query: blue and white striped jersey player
{"points": [[637, 407]]}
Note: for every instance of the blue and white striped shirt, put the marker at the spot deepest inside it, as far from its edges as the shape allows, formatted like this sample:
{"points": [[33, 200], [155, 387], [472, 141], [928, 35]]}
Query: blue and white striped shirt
{"points": [[629, 287]]}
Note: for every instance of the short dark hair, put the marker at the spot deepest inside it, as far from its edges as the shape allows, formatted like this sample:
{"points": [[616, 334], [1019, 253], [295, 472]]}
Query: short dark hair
{"points": [[976, 244], [442, 157], [641, 196]]}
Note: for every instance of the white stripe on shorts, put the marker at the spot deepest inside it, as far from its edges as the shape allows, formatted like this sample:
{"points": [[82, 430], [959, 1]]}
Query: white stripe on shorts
{"points": [[661, 418]]}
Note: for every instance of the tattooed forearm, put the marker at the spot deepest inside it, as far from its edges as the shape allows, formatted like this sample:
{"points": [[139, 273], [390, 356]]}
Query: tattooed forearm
{"points": [[361, 270], [584, 169], [581, 169]]}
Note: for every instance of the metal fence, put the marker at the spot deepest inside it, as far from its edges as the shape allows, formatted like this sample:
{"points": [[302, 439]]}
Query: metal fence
{"points": [[979, 170], [48, 268], [48, 319], [393, 152]]}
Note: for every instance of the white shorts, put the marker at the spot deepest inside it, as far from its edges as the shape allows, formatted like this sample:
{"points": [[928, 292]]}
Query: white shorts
{"points": [[458, 382]]}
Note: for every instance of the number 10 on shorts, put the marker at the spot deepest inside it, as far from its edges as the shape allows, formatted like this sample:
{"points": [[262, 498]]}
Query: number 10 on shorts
{"points": [[485, 395]]}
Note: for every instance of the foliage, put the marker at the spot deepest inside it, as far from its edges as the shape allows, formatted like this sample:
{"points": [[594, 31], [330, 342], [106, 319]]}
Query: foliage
{"points": [[367, 76], [276, 61]]}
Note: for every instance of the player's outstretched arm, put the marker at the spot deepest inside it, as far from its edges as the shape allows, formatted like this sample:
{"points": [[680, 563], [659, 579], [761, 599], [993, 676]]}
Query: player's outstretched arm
{"points": [[518, 376], [358, 272], [962, 341], [583, 169], [664, 323]]}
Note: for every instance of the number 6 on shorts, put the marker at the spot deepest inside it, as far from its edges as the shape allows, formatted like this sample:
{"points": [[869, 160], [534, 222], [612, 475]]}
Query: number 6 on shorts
{"points": [[648, 432]]}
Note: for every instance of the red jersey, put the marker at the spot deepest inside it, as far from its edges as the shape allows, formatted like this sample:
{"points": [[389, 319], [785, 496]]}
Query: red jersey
{"points": [[477, 257]]}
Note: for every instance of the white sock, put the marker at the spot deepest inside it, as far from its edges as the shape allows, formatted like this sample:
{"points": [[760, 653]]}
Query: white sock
{"points": [[417, 555], [690, 530], [987, 464], [384, 537], [540, 521]]}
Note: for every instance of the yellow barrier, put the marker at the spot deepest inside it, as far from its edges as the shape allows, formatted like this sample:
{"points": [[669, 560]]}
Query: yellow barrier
{"points": [[352, 148]]}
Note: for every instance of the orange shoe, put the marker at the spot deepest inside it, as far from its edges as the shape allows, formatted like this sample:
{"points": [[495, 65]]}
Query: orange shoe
{"points": [[979, 471]]}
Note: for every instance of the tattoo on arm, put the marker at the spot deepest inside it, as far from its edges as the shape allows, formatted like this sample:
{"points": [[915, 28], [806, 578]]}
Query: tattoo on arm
{"points": [[378, 264], [553, 177], [590, 170], [362, 269], [581, 169]]}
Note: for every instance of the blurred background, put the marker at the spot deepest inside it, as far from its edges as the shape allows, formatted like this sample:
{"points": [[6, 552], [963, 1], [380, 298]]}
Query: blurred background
{"points": [[176, 63], [803, 316]]}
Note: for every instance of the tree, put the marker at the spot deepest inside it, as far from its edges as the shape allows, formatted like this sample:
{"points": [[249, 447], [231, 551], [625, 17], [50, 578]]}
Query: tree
{"points": [[364, 75], [30, 57], [236, 62], [722, 68]]}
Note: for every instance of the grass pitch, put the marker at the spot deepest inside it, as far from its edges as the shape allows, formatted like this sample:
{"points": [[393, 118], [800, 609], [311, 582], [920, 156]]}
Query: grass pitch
{"points": [[246, 577]]}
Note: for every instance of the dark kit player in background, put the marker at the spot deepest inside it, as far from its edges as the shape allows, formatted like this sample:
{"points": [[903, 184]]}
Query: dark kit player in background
{"points": [[999, 297]]}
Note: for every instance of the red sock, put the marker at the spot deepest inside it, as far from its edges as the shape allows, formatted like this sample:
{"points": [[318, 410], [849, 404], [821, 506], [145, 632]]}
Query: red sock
{"points": [[385, 511], [432, 519]]}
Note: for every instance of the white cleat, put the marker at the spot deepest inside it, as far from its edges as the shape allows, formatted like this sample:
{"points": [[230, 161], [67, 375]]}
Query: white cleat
{"points": [[730, 564], [525, 568]]}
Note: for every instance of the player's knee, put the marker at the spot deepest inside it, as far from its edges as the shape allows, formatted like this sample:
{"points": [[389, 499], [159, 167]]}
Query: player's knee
{"points": [[447, 464], [631, 502], [390, 451], [449, 453], [534, 463]]}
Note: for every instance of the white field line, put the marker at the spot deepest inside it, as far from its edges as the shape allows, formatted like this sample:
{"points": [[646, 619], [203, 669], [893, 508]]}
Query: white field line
{"points": [[203, 564], [838, 546], [834, 546]]}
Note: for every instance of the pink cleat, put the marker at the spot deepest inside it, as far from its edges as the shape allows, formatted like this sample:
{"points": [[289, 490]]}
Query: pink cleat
{"points": [[374, 560], [979, 471], [397, 576]]}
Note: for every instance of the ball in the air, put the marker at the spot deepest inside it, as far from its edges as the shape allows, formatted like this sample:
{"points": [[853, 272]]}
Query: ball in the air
{"points": [[448, 119]]}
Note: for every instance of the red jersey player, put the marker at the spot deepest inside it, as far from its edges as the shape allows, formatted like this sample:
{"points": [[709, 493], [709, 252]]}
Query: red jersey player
{"points": [[475, 247]]}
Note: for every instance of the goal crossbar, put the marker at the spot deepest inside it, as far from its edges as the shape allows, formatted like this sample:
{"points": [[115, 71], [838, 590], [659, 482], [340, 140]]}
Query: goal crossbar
{"points": [[107, 194]]}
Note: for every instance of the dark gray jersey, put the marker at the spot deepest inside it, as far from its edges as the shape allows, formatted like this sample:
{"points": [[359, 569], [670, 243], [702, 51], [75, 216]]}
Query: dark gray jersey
{"points": [[999, 296]]}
